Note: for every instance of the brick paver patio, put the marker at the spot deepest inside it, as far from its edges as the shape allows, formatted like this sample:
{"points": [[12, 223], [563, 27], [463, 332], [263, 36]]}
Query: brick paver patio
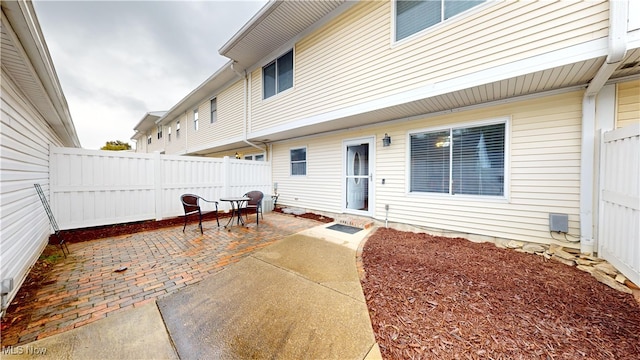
{"points": [[85, 287]]}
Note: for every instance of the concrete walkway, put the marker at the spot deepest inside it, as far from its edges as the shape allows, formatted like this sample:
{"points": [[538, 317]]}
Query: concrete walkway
{"points": [[298, 298]]}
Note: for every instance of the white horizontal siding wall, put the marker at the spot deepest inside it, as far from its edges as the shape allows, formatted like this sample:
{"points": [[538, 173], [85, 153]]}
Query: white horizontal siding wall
{"points": [[92, 188], [544, 150], [24, 160], [628, 104], [229, 120], [353, 59]]}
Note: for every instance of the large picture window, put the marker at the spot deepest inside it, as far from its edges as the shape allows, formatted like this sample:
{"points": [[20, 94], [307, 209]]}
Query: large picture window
{"points": [[414, 16], [462, 160], [298, 161], [278, 75]]}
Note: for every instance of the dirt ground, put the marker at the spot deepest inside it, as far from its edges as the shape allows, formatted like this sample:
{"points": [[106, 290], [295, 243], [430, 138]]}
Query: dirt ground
{"points": [[440, 298]]}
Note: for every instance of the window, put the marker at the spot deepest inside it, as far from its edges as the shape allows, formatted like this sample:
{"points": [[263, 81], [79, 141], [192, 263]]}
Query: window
{"points": [[214, 110], [169, 133], [255, 157], [278, 75], [195, 119], [149, 140], [178, 129], [298, 161], [159, 132], [455, 161], [414, 16]]}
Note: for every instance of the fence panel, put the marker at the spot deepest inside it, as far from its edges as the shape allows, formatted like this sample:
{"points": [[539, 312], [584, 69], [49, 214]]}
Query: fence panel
{"points": [[619, 213], [92, 187]]}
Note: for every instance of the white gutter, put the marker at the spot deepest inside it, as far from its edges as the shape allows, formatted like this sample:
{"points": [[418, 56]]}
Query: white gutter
{"points": [[618, 13]]}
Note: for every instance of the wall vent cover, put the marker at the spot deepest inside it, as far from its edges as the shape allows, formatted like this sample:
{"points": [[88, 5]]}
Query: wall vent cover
{"points": [[559, 223]]}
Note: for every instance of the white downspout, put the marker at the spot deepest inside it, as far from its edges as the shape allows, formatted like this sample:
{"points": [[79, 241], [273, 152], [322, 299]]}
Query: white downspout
{"points": [[245, 115], [618, 10]]}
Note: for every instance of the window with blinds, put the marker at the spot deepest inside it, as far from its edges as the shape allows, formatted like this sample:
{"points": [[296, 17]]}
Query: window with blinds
{"points": [[464, 160], [414, 16], [298, 161]]}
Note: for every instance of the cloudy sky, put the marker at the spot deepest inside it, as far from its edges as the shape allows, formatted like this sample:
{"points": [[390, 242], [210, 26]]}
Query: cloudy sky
{"points": [[117, 60]]}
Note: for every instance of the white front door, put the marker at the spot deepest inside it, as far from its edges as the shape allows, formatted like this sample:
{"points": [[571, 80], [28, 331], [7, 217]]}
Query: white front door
{"points": [[358, 175]]}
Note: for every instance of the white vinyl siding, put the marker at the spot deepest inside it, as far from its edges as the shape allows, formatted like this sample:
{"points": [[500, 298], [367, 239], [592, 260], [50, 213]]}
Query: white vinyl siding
{"points": [[628, 103], [229, 118], [542, 165], [24, 144], [356, 49]]}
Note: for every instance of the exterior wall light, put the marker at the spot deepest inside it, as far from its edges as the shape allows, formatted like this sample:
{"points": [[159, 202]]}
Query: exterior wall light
{"points": [[237, 156], [386, 140]]}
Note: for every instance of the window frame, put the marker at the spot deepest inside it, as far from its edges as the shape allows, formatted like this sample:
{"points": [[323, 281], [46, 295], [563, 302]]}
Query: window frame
{"points": [[178, 129], [169, 133], [305, 161], [456, 17], [213, 119], [252, 157], [277, 77], [195, 120], [505, 197], [149, 139], [159, 130]]}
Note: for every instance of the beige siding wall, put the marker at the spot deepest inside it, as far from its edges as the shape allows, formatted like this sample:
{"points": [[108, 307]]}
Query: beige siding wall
{"points": [[628, 103], [229, 118], [353, 59], [175, 144], [544, 168]]}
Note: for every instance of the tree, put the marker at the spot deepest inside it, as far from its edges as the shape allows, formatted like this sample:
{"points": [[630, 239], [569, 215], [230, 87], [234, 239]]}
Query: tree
{"points": [[116, 146]]}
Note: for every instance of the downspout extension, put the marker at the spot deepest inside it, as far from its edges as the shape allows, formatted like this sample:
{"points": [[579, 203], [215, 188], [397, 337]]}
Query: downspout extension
{"points": [[617, 49]]}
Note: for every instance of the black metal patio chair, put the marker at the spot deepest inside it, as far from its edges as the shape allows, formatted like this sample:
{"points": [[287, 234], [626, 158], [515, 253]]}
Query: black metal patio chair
{"points": [[255, 202], [191, 205]]}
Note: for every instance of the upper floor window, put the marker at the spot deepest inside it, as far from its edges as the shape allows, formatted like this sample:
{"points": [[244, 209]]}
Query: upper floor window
{"points": [[195, 119], [149, 140], [159, 132], [416, 15], [298, 161], [277, 76], [214, 110], [462, 160], [169, 133], [178, 129]]}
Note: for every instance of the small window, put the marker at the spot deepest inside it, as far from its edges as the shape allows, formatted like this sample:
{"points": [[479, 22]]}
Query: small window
{"points": [[298, 161], [214, 110], [416, 15], [464, 160], [278, 75], [159, 132], [169, 133], [254, 157], [178, 129], [195, 119], [149, 140]]}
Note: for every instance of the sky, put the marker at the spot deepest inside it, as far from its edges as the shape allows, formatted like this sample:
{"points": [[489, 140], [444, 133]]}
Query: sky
{"points": [[118, 60]]}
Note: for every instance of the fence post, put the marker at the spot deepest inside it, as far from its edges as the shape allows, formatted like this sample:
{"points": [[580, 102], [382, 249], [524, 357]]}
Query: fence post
{"points": [[157, 182]]}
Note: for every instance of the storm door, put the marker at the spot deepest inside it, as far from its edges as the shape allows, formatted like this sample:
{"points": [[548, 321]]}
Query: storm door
{"points": [[358, 176]]}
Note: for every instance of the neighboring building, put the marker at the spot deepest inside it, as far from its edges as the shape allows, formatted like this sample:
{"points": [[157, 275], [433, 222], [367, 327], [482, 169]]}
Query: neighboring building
{"points": [[477, 118], [149, 136], [35, 116]]}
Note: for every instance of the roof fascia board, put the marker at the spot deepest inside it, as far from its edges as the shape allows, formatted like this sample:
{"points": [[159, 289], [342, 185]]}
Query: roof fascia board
{"points": [[290, 44], [267, 9]]}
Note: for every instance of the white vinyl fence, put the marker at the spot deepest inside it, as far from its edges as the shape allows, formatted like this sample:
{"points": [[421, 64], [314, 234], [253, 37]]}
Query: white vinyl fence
{"points": [[619, 219], [92, 187]]}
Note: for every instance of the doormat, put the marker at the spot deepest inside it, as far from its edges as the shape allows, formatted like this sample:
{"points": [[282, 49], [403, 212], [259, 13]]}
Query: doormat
{"points": [[344, 228]]}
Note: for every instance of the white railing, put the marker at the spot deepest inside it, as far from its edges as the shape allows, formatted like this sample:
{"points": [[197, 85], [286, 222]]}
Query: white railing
{"points": [[619, 211], [92, 187]]}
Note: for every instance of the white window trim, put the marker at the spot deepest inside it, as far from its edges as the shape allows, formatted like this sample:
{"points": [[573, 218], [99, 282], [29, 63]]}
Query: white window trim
{"points": [[211, 121], [196, 119], [253, 156], [293, 85], [306, 160], [448, 22], [506, 197]]}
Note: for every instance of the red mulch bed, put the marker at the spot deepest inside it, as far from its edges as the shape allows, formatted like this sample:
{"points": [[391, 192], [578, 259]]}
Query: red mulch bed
{"points": [[439, 298]]}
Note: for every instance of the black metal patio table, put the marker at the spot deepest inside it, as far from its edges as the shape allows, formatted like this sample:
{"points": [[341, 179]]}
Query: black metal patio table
{"points": [[236, 208]]}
